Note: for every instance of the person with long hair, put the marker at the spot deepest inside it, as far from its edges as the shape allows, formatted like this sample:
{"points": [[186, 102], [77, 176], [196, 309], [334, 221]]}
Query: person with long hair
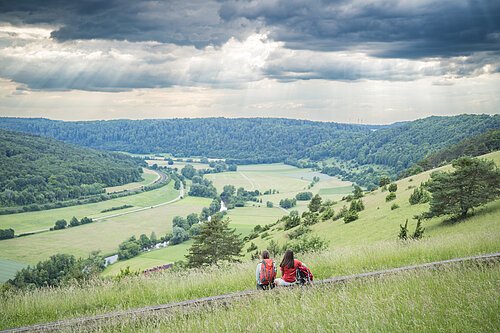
{"points": [[288, 269]]}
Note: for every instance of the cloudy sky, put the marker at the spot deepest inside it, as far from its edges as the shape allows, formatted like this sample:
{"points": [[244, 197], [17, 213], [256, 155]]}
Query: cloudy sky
{"points": [[346, 61]]}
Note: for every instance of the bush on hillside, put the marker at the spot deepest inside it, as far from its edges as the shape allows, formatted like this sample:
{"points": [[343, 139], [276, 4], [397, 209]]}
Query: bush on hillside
{"points": [[391, 196], [350, 216], [419, 196]]}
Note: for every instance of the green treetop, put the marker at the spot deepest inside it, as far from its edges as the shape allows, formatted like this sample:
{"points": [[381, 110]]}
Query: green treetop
{"points": [[473, 183], [214, 244]]}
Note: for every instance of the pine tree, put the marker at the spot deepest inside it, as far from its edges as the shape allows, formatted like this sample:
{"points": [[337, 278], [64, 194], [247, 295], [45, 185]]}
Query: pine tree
{"points": [[419, 231], [403, 231], [216, 243], [473, 183], [315, 203]]}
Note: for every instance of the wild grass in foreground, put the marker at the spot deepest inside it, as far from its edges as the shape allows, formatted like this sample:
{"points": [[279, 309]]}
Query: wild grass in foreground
{"points": [[458, 298], [101, 296]]}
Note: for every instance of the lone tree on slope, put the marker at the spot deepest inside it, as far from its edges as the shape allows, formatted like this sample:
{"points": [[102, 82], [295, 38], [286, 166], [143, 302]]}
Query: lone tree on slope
{"points": [[215, 243], [473, 183]]}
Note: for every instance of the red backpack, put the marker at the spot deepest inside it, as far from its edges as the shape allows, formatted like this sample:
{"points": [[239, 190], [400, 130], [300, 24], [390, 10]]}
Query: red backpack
{"points": [[267, 272], [304, 275]]}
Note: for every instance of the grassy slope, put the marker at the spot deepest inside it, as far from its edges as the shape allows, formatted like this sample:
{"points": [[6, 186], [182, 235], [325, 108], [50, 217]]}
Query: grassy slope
{"points": [[102, 235], [463, 298], [148, 177], [379, 223], [33, 221]]}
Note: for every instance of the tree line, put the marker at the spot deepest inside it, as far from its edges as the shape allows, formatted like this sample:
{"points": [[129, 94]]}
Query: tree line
{"points": [[370, 150]]}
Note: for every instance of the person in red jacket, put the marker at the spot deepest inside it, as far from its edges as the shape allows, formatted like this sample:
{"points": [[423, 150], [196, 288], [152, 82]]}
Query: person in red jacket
{"points": [[288, 269]]}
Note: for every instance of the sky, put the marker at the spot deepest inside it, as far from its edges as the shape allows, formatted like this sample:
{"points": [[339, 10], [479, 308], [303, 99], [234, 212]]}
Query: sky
{"points": [[358, 61]]}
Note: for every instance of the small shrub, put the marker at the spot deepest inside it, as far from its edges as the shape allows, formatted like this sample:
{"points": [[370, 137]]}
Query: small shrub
{"points": [[391, 196], [357, 205], [419, 196], [394, 206], [403, 231], [393, 187], [252, 247], [302, 230], [264, 235], [350, 216], [419, 231], [291, 220]]}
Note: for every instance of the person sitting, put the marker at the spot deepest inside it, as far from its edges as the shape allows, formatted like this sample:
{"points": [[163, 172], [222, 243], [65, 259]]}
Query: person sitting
{"points": [[288, 268], [265, 272]]}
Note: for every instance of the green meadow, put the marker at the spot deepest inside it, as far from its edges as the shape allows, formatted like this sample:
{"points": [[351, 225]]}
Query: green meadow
{"points": [[106, 295], [151, 259], [104, 235], [8, 268], [149, 177], [35, 221], [287, 180], [460, 298]]}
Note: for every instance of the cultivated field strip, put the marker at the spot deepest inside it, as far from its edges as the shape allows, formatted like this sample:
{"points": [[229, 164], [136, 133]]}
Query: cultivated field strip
{"points": [[64, 324]]}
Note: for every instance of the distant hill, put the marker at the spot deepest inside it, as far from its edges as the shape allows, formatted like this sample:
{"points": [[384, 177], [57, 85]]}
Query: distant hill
{"points": [[473, 146], [36, 170], [264, 140]]}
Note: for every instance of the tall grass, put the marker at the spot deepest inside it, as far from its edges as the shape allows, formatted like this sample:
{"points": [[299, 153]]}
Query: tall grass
{"points": [[460, 298], [102, 296]]}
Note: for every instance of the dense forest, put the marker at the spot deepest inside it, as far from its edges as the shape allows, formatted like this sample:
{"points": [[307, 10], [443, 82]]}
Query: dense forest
{"points": [[36, 170], [255, 139], [363, 152], [473, 146]]}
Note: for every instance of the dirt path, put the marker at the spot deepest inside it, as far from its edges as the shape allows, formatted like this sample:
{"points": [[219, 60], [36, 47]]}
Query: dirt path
{"points": [[64, 324]]}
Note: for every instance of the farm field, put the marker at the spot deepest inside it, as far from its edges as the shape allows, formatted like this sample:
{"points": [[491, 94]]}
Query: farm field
{"points": [[178, 165], [34, 221], [149, 177], [104, 235], [8, 268], [286, 179], [243, 219]]}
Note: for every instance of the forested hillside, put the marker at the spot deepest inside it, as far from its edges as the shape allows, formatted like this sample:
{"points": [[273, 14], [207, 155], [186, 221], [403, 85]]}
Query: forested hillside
{"points": [[35, 170], [473, 146], [257, 140]]}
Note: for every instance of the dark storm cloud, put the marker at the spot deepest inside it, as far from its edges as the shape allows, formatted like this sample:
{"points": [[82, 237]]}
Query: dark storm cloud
{"points": [[402, 29], [180, 22], [386, 28]]}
